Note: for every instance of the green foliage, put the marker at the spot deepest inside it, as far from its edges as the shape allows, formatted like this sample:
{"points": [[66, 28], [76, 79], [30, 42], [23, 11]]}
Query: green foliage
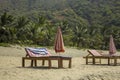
{"points": [[84, 23], [5, 44]]}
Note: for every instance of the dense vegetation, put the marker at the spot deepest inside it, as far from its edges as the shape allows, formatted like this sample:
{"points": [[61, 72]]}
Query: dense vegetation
{"points": [[84, 23]]}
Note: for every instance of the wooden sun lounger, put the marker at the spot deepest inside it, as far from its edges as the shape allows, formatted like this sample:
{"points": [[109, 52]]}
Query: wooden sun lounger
{"points": [[93, 54], [49, 59]]}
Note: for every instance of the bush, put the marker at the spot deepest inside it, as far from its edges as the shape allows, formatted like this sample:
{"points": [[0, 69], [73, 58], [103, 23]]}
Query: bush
{"points": [[5, 44]]}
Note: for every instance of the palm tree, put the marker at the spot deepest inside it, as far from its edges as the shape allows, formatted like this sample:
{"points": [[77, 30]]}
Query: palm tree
{"points": [[49, 34], [79, 35], [21, 28], [6, 19], [37, 30], [21, 22], [6, 28], [95, 37]]}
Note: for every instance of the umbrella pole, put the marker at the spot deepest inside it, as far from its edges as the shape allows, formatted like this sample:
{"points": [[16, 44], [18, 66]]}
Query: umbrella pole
{"points": [[58, 54]]}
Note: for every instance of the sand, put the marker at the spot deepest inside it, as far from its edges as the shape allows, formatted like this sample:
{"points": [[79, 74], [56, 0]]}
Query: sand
{"points": [[11, 69]]}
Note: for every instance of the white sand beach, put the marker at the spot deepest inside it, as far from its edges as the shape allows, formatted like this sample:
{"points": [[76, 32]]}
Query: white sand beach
{"points": [[11, 67]]}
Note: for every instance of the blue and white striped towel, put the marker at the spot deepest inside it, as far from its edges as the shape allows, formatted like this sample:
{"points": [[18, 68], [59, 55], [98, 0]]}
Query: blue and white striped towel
{"points": [[41, 51]]}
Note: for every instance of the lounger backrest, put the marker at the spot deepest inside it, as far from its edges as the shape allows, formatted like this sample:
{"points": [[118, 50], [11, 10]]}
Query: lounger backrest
{"points": [[37, 52], [94, 53]]}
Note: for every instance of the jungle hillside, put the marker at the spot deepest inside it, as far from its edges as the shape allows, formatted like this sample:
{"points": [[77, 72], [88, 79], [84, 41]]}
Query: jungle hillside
{"points": [[84, 23]]}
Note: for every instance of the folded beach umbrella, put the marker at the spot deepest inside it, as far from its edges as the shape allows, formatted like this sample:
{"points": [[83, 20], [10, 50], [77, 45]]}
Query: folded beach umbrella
{"points": [[112, 48], [59, 44]]}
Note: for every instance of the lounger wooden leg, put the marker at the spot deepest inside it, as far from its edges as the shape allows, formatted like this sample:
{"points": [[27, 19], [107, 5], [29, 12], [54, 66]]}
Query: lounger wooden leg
{"points": [[108, 61], [59, 63], [31, 63], [49, 63], [35, 61], [70, 63], [100, 60], [23, 62], [86, 60], [93, 60], [43, 62]]}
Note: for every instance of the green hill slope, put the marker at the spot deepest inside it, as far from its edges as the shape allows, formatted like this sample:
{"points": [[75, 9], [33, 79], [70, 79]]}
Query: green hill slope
{"points": [[85, 23], [100, 12]]}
